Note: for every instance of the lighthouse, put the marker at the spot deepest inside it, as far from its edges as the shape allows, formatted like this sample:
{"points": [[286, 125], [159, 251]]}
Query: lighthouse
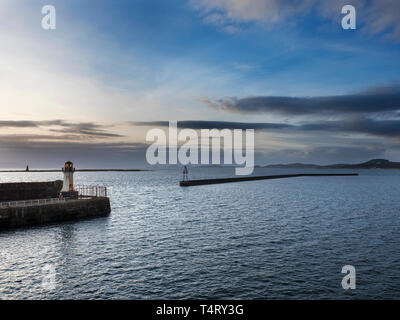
{"points": [[67, 190]]}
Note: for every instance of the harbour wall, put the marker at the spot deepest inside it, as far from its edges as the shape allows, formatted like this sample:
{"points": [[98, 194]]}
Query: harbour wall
{"points": [[189, 183], [23, 216], [17, 191]]}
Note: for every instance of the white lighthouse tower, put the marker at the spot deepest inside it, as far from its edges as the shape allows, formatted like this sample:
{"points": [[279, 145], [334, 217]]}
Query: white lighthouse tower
{"points": [[68, 185]]}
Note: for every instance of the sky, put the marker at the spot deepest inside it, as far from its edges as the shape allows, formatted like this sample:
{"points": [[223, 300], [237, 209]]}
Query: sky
{"points": [[90, 90]]}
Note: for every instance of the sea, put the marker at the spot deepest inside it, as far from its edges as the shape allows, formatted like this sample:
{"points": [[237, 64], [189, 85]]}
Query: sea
{"points": [[268, 239]]}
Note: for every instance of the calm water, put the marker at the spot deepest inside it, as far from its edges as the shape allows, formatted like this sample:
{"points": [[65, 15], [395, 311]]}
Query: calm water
{"points": [[285, 238]]}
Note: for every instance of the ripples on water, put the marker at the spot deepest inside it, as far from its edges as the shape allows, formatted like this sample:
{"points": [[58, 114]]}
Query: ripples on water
{"points": [[272, 239]]}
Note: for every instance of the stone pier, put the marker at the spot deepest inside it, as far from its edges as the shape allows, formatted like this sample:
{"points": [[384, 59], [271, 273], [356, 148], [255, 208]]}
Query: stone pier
{"points": [[30, 214]]}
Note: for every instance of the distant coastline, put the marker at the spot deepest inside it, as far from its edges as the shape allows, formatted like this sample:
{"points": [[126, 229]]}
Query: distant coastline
{"points": [[371, 164]]}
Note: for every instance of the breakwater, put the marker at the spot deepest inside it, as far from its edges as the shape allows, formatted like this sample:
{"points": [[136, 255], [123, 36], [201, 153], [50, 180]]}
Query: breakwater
{"points": [[188, 183], [18, 191], [30, 213]]}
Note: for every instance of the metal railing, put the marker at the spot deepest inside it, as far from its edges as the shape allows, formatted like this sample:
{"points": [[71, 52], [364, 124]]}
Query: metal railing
{"points": [[83, 192], [27, 203], [91, 191]]}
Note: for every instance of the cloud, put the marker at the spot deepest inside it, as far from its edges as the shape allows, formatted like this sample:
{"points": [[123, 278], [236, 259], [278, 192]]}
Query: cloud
{"points": [[381, 128], [236, 11], [376, 16], [374, 127], [20, 149], [326, 154], [373, 16], [40, 152], [7, 140], [199, 124], [374, 100], [244, 66], [88, 129], [384, 16], [29, 124]]}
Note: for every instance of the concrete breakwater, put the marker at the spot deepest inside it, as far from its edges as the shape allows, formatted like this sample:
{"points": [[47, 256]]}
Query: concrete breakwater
{"points": [[188, 183], [31, 213], [34, 203], [17, 191]]}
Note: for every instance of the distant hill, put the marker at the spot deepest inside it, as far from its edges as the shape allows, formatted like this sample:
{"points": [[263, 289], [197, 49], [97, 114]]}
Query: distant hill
{"points": [[371, 164]]}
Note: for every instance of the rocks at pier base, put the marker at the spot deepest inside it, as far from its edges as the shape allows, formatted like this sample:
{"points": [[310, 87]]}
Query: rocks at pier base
{"points": [[31, 215]]}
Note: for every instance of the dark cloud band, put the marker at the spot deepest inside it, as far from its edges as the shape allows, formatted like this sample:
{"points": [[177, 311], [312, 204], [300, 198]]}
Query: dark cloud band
{"points": [[382, 128], [88, 129], [198, 124], [376, 100]]}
